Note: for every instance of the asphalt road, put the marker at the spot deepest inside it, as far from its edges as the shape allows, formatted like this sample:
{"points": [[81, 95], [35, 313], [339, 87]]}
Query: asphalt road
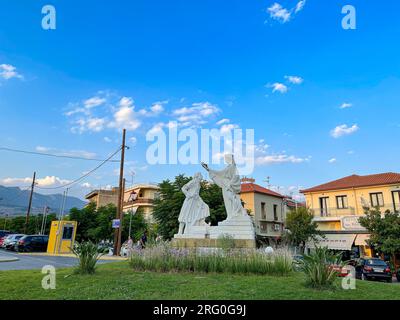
{"points": [[27, 262]]}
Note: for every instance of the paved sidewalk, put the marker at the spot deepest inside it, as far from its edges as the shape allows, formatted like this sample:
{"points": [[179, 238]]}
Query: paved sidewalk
{"points": [[18, 261], [68, 255]]}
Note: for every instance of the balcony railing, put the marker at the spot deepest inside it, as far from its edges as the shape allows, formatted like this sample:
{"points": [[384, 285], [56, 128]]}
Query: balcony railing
{"points": [[139, 201], [349, 211], [334, 212]]}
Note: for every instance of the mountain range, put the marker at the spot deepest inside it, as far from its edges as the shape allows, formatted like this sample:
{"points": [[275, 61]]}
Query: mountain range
{"points": [[14, 201]]}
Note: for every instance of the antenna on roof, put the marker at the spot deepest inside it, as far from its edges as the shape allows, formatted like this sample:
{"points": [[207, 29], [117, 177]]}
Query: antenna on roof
{"points": [[267, 181]]}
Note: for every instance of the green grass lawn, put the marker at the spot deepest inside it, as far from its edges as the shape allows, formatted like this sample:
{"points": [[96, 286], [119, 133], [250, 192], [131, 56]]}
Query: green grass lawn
{"points": [[119, 281]]}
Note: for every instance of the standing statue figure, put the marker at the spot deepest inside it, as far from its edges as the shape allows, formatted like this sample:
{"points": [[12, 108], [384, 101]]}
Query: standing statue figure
{"points": [[229, 180], [194, 210]]}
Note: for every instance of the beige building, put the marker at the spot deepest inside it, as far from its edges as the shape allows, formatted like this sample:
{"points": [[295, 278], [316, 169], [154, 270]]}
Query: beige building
{"points": [[141, 196], [103, 197], [338, 204], [268, 209]]}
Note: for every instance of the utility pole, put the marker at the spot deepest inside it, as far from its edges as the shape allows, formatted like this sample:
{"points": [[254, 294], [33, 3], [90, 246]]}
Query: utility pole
{"points": [[118, 231], [30, 203]]}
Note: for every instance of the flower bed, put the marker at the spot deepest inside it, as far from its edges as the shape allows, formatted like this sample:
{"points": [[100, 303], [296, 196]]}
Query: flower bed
{"points": [[164, 258]]}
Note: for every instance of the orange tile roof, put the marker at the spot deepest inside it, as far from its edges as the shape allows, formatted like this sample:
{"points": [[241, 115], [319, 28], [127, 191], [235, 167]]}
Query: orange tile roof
{"points": [[252, 187], [355, 181]]}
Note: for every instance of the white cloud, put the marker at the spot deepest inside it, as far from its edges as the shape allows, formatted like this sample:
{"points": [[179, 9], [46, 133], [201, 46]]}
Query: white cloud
{"points": [[107, 139], [294, 79], [299, 6], [68, 153], [346, 105], [277, 12], [154, 110], [228, 127], [8, 71], [278, 159], [332, 160], [125, 116], [344, 130], [223, 121], [89, 124], [48, 181], [86, 185], [198, 113], [94, 102], [283, 15], [278, 87]]}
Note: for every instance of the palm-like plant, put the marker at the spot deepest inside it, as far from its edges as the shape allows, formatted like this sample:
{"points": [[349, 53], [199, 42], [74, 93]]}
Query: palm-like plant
{"points": [[318, 267], [88, 254]]}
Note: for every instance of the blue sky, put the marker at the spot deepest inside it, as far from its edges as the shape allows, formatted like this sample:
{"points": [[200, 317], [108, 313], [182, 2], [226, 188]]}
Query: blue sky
{"points": [[135, 64]]}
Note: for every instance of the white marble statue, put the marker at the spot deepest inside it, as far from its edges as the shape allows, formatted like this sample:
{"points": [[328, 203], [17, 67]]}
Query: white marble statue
{"points": [[229, 180], [194, 210]]}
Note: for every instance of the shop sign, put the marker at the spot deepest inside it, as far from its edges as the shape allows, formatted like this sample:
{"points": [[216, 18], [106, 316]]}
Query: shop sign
{"points": [[351, 223]]}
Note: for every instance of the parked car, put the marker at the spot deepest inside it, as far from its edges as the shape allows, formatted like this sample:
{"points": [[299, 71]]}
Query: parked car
{"points": [[11, 240], [32, 243], [342, 271], [398, 275], [297, 261], [3, 235], [373, 268]]}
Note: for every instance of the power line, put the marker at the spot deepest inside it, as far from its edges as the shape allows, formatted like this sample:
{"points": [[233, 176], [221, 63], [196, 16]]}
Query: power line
{"points": [[84, 176], [52, 155]]}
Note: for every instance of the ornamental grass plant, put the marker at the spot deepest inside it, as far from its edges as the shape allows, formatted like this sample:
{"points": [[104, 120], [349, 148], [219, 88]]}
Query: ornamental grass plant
{"points": [[164, 258]]}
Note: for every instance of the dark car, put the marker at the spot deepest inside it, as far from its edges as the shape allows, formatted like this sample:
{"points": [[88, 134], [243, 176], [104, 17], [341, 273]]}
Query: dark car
{"points": [[373, 268], [32, 243], [11, 240], [398, 275]]}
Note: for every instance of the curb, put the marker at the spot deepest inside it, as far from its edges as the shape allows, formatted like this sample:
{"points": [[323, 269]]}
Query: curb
{"points": [[67, 255], [8, 259]]}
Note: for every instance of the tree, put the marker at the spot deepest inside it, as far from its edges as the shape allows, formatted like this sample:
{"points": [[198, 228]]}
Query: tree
{"points": [[167, 207], [102, 230], [301, 227], [96, 225], [138, 225], [86, 219], [384, 231]]}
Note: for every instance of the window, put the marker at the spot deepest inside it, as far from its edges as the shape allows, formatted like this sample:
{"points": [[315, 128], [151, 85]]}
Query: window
{"points": [[376, 199], [263, 211], [67, 232], [275, 212], [341, 202], [323, 204]]}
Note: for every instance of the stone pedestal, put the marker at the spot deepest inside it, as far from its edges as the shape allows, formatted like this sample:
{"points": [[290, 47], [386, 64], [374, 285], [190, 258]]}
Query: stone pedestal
{"points": [[241, 229], [238, 228], [194, 232]]}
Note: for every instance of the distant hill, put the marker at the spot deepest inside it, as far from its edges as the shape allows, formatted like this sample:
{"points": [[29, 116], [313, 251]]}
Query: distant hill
{"points": [[13, 200]]}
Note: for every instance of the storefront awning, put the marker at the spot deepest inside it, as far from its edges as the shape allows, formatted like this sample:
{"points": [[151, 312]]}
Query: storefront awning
{"points": [[334, 242], [361, 240]]}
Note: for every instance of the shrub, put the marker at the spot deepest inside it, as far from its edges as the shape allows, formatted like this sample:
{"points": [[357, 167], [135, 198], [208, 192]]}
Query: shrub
{"points": [[317, 267], [163, 258], [88, 254], [226, 242]]}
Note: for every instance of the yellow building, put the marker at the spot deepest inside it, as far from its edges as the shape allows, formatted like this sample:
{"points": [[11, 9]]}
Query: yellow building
{"points": [[103, 197], [141, 196], [338, 204]]}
